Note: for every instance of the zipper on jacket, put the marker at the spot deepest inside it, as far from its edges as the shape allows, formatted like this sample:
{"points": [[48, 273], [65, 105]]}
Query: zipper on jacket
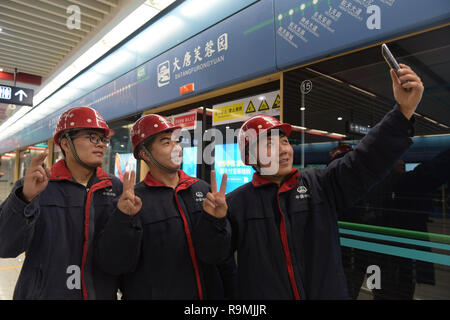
{"points": [[89, 190], [287, 253], [190, 247]]}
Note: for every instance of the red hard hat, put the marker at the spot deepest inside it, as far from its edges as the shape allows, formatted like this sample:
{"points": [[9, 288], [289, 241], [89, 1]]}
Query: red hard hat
{"points": [[339, 151], [256, 125], [81, 118], [148, 126]]}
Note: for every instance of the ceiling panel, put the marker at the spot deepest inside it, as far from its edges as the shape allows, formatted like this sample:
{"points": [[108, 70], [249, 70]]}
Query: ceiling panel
{"points": [[35, 33]]}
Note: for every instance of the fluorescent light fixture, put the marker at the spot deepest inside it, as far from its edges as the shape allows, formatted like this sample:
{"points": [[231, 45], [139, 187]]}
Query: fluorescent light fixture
{"points": [[362, 90], [315, 131], [337, 134], [86, 80], [194, 7], [430, 120], [324, 75], [18, 114], [148, 39], [159, 4], [127, 26], [299, 128], [113, 62]]}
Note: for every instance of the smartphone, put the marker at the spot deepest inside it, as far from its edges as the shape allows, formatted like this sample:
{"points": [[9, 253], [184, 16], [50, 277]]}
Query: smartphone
{"points": [[387, 55], [390, 60]]}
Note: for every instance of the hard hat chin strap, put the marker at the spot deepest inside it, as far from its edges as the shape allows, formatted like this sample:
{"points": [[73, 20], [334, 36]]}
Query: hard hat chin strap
{"points": [[74, 152], [257, 169], [156, 163]]}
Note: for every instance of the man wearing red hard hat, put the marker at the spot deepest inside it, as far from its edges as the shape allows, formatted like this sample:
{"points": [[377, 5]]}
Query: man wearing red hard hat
{"points": [[55, 216], [156, 245], [284, 222]]}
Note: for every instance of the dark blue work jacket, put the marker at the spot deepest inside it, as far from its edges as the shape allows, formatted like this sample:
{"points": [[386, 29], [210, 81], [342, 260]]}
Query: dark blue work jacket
{"points": [[57, 231], [287, 237], [159, 251]]}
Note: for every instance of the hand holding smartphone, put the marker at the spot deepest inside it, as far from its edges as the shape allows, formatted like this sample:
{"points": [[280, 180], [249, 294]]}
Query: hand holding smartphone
{"points": [[389, 57]]}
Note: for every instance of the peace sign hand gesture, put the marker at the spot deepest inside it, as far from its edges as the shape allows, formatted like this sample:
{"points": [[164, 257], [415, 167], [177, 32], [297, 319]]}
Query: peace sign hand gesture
{"points": [[215, 203], [129, 203], [36, 178]]}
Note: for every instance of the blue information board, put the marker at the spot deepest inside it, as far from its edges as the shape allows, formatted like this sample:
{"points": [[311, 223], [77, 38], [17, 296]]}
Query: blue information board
{"points": [[311, 29], [227, 159], [221, 55]]}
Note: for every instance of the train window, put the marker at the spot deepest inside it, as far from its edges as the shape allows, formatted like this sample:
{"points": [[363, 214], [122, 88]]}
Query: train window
{"points": [[29, 153], [7, 166], [119, 155]]}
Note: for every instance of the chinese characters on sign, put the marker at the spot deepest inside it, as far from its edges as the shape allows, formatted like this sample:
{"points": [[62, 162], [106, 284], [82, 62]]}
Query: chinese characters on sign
{"points": [[192, 61]]}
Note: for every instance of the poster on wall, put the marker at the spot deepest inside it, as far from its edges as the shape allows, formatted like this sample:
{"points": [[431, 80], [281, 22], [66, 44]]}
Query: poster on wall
{"points": [[185, 120], [124, 162]]}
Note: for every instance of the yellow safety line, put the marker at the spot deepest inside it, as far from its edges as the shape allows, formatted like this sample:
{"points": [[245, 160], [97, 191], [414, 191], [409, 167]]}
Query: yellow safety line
{"points": [[10, 267]]}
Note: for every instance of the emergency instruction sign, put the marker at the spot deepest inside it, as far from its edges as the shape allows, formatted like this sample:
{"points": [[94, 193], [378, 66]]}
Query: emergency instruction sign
{"points": [[228, 113]]}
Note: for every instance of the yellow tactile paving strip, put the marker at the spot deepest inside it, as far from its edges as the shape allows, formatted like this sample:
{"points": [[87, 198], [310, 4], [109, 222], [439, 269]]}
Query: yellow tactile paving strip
{"points": [[9, 273]]}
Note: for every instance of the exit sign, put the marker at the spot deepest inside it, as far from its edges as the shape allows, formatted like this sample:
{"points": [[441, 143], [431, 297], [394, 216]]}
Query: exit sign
{"points": [[16, 95], [5, 92]]}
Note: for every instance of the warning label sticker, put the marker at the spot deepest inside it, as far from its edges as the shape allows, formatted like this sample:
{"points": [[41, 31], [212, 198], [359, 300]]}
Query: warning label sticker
{"points": [[242, 109], [277, 102], [250, 108], [263, 106]]}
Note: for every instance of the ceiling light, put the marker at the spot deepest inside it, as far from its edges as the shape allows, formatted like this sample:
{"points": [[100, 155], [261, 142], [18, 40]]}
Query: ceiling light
{"points": [[299, 128], [195, 7], [302, 108], [362, 90], [131, 23], [159, 4], [339, 118], [324, 75]]}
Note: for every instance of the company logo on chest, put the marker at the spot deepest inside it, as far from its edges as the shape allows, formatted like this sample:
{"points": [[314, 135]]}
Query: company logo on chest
{"points": [[109, 192], [302, 193], [199, 196]]}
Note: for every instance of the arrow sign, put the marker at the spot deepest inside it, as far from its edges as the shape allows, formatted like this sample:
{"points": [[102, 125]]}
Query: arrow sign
{"points": [[21, 93], [16, 95]]}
